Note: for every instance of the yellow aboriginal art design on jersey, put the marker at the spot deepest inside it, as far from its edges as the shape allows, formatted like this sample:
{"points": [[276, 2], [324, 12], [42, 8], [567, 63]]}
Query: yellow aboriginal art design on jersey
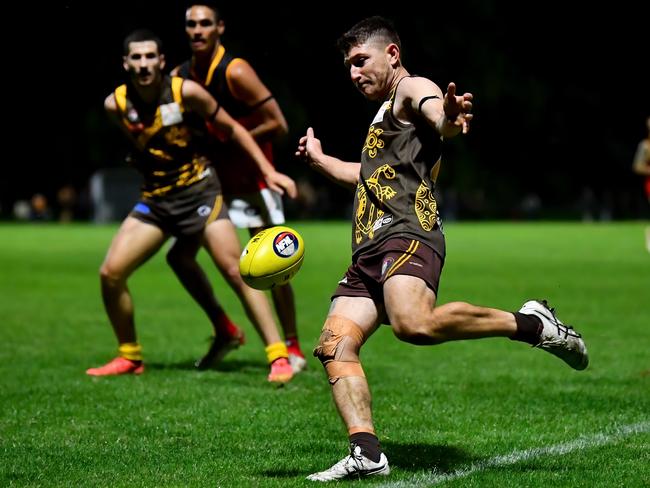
{"points": [[425, 207], [373, 141], [367, 212]]}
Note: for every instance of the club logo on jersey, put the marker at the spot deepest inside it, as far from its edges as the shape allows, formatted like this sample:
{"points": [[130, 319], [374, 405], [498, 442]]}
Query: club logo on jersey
{"points": [[204, 210], [285, 244], [381, 221], [170, 113], [386, 265], [134, 124], [132, 115]]}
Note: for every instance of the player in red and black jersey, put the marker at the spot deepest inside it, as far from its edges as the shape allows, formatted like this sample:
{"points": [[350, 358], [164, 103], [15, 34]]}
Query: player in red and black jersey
{"points": [[235, 84]]}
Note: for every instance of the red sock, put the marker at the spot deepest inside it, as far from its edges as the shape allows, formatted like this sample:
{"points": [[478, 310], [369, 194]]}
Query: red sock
{"points": [[225, 326], [293, 345]]}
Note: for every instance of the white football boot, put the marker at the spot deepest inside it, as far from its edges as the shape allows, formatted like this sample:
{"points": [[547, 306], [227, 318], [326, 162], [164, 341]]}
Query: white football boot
{"points": [[354, 465], [298, 363], [558, 339]]}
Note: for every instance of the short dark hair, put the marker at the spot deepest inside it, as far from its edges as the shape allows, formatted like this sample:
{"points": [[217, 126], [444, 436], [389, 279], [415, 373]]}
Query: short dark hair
{"points": [[141, 35], [218, 13], [372, 27]]}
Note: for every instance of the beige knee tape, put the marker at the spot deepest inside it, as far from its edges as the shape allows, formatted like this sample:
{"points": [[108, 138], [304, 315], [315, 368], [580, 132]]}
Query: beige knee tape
{"points": [[338, 348]]}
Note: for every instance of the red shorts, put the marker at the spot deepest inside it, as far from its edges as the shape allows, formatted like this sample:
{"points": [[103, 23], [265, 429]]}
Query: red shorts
{"points": [[396, 256]]}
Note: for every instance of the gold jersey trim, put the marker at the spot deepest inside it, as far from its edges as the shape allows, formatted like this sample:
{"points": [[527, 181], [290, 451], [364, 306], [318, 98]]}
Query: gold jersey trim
{"points": [[120, 99], [177, 90], [216, 208], [213, 65]]}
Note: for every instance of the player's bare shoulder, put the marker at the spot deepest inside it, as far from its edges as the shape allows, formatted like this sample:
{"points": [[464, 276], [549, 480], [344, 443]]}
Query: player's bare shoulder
{"points": [[410, 93], [110, 104], [413, 88], [239, 70], [244, 83]]}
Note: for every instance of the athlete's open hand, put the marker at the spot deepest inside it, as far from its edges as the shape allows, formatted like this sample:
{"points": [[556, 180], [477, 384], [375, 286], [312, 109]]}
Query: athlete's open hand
{"points": [[281, 183], [458, 109], [309, 148]]}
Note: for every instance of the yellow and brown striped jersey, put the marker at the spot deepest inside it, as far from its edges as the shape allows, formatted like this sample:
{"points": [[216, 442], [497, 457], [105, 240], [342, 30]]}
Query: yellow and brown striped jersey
{"points": [[170, 141]]}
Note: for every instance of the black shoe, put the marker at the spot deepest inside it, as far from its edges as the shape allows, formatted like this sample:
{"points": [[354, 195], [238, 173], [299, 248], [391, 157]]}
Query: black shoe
{"points": [[218, 349]]}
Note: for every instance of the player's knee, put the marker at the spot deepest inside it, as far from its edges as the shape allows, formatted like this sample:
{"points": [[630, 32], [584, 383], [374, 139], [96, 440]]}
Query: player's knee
{"points": [[231, 274], [338, 348], [110, 275]]}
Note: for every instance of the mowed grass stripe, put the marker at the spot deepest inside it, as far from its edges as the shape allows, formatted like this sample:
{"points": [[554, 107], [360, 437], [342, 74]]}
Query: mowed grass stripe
{"points": [[616, 434]]}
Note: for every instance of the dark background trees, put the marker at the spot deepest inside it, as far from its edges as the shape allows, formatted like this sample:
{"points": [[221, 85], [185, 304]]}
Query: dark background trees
{"points": [[561, 95]]}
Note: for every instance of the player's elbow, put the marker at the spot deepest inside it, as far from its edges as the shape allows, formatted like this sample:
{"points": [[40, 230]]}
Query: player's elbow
{"points": [[282, 128], [277, 128]]}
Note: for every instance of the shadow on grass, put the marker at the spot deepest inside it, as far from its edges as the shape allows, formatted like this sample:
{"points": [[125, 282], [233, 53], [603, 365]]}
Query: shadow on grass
{"points": [[406, 457], [284, 473], [417, 457], [227, 366]]}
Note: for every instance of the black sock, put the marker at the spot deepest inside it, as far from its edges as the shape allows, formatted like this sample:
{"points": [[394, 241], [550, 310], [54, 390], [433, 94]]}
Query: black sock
{"points": [[369, 444], [529, 328]]}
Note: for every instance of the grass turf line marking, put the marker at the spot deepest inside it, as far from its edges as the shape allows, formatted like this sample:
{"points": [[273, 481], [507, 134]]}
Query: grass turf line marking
{"points": [[585, 442]]}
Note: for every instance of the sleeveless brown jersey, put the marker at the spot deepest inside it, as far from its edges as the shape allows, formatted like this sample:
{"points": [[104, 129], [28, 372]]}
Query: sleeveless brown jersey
{"points": [[394, 197], [169, 139]]}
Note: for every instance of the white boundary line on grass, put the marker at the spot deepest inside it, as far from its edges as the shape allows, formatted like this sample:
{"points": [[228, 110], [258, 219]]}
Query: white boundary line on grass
{"points": [[586, 442]]}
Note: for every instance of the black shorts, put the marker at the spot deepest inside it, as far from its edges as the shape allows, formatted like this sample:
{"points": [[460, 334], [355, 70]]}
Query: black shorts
{"points": [[396, 256], [186, 212]]}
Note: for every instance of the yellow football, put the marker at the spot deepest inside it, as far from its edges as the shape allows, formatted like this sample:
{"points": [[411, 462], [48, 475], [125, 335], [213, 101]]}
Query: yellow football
{"points": [[272, 257]]}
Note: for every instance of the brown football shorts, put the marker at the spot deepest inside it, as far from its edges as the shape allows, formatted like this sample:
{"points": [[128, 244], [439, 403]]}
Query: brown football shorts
{"points": [[396, 256], [185, 212]]}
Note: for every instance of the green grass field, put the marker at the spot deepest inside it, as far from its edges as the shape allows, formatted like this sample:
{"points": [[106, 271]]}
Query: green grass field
{"points": [[488, 413]]}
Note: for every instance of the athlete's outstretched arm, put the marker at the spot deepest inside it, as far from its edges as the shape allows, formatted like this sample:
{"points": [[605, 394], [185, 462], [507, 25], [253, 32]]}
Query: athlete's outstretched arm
{"points": [[449, 114], [201, 102], [341, 172]]}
